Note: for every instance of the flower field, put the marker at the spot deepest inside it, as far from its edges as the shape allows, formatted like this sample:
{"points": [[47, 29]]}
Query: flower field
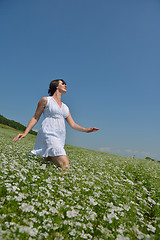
{"points": [[102, 196]]}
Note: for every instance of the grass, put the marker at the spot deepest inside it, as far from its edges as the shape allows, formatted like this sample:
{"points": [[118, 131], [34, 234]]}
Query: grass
{"points": [[103, 196]]}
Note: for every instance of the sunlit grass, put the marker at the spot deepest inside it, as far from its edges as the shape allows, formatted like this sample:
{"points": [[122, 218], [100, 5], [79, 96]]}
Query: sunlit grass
{"points": [[103, 196]]}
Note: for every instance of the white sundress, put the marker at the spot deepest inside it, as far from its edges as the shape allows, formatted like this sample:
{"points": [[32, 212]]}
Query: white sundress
{"points": [[51, 136]]}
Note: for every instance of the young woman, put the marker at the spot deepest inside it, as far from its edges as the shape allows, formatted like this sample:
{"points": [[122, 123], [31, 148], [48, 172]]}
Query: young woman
{"points": [[50, 139]]}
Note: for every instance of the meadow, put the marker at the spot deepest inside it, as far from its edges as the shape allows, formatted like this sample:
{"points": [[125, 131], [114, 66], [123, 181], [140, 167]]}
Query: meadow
{"points": [[102, 196]]}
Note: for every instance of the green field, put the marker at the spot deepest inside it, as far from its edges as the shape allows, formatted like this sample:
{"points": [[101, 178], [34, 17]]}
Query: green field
{"points": [[103, 196]]}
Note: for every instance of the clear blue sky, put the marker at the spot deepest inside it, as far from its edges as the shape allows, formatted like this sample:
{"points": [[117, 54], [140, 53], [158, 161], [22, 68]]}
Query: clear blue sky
{"points": [[107, 51]]}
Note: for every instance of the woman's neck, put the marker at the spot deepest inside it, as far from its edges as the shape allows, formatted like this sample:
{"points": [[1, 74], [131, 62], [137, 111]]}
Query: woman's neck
{"points": [[57, 96]]}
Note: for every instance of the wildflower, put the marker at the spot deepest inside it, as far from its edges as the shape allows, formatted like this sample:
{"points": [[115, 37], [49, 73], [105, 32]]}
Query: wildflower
{"points": [[58, 237], [73, 232], [104, 218], [79, 207], [121, 237], [31, 231], [49, 180], [85, 236], [92, 201], [78, 224], [20, 197], [53, 210], [126, 207], [27, 208], [43, 213], [129, 181], [110, 216], [151, 200], [43, 166], [72, 213], [151, 228], [93, 216]]}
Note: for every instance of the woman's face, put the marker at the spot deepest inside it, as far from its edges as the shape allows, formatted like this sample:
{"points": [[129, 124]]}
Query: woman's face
{"points": [[62, 87]]}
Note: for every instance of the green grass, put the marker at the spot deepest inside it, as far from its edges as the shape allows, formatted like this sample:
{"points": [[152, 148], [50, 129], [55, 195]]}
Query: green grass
{"points": [[6, 126], [103, 196]]}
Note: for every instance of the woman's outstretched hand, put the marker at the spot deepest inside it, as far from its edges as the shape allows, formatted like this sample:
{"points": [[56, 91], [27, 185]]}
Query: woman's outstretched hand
{"points": [[92, 129], [19, 136]]}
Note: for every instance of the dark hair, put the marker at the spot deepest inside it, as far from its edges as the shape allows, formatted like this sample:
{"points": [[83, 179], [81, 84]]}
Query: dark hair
{"points": [[53, 86]]}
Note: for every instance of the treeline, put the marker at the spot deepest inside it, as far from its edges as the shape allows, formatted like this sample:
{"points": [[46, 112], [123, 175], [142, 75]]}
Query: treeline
{"points": [[13, 124], [148, 158]]}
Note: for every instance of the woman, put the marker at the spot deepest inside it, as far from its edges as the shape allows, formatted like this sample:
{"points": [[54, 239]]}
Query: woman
{"points": [[50, 139]]}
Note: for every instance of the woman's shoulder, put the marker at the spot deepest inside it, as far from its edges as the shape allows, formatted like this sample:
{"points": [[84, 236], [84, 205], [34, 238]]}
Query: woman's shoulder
{"points": [[43, 101]]}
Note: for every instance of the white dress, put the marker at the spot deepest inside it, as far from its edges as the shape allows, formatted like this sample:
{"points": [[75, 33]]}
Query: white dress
{"points": [[51, 136]]}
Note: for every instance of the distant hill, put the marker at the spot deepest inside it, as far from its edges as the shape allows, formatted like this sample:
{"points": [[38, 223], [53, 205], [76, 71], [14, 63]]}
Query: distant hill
{"points": [[14, 124]]}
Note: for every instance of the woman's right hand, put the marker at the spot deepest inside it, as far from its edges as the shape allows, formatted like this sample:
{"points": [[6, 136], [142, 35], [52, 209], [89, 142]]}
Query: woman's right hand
{"points": [[19, 136]]}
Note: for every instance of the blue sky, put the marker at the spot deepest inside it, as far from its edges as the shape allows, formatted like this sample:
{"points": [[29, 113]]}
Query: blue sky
{"points": [[107, 51]]}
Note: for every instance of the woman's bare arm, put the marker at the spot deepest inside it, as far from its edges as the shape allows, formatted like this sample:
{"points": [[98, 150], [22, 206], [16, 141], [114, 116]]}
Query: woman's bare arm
{"points": [[75, 126], [40, 108]]}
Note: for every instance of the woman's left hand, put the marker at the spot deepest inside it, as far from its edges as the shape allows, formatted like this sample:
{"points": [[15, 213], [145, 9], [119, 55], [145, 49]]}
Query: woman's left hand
{"points": [[92, 129]]}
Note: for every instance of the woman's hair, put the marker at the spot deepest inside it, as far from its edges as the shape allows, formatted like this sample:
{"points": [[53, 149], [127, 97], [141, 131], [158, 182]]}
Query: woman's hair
{"points": [[53, 86]]}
